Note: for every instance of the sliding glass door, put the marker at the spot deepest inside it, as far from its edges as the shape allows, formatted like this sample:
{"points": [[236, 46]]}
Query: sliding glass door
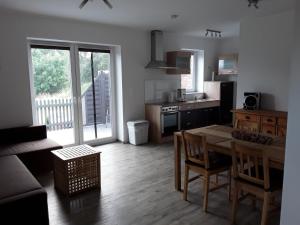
{"points": [[95, 87], [72, 92], [53, 96]]}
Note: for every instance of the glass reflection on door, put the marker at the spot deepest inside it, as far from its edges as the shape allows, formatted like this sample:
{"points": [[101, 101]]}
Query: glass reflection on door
{"points": [[95, 85]]}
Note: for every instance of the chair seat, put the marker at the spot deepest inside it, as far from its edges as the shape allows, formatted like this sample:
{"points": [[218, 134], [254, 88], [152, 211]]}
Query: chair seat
{"points": [[216, 161], [276, 179]]}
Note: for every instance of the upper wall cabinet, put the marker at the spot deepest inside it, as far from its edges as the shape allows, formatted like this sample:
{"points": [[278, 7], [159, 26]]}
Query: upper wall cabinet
{"points": [[181, 60], [228, 64]]}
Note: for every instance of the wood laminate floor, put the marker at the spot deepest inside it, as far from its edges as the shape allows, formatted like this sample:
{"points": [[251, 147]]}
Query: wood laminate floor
{"points": [[138, 189]]}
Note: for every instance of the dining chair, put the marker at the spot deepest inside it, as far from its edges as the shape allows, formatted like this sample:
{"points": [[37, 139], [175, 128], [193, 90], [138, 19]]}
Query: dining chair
{"points": [[253, 177], [205, 163]]}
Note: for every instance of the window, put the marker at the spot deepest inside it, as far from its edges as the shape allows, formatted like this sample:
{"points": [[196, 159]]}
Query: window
{"points": [[193, 82], [188, 80]]}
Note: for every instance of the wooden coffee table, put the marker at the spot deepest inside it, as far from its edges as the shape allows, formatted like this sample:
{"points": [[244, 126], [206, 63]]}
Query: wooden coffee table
{"points": [[76, 169]]}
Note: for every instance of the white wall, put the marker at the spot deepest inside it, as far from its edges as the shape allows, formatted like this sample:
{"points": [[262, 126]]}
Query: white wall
{"points": [[229, 45], [264, 59], [15, 97], [291, 202]]}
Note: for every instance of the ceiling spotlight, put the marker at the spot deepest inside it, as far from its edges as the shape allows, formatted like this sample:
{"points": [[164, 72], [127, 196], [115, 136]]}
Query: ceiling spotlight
{"points": [[213, 33], [254, 3]]}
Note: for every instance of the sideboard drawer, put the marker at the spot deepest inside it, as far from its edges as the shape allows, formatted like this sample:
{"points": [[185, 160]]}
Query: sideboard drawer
{"points": [[247, 117], [268, 129], [270, 120]]}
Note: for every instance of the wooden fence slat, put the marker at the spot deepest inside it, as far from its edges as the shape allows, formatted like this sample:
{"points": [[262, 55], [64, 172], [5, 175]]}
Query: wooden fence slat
{"points": [[56, 113]]}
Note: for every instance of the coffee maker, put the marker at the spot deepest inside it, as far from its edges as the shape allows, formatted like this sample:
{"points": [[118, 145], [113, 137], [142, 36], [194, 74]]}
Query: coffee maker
{"points": [[181, 94]]}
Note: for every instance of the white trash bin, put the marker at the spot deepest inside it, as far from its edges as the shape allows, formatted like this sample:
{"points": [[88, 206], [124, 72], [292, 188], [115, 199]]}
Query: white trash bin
{"points": [[138, 131]]}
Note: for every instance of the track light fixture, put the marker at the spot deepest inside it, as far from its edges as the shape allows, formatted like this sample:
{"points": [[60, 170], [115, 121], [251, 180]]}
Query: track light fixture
{"points": [[213, 33], [254, 3]]}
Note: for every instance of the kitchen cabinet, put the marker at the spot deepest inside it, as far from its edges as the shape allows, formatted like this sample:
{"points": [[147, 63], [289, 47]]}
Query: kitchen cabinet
{"points": [[191, 114], [195, 118], [181, 60], [188, 119], [262, 121], [228, 64]]}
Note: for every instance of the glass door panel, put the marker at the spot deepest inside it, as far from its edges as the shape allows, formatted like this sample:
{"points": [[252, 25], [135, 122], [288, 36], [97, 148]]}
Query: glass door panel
{"points": [[95, 85], [53, 100]]}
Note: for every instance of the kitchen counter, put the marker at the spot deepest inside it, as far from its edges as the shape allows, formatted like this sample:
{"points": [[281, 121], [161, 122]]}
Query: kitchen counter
{"points": [[190, 104], [189, 115], [178, 103]]}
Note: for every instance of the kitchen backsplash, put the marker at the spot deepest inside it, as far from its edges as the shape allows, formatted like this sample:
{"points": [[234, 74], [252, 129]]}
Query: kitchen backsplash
{"points": [[158, 90]]}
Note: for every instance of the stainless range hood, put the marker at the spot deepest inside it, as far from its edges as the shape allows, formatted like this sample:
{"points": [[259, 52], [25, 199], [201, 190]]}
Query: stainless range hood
{"points": [[157, 53]]}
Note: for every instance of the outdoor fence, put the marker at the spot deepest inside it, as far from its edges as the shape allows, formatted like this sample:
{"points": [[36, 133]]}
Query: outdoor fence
{"points": [[56, 113]]}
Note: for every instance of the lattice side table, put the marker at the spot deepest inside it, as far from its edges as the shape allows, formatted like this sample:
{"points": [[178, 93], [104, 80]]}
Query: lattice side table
{"points": [[76, 169]]}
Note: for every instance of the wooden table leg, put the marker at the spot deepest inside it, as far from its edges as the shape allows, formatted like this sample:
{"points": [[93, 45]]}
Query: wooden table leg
{"points": [[177, 161]]}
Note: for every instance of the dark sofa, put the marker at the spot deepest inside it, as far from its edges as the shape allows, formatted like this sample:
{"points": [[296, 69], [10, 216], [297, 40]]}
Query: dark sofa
{"points": [[22, 199], [31, 145]]}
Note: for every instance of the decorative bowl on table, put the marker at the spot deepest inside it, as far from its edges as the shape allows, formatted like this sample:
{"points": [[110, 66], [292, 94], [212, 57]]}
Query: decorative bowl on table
{"points": [[252, 137]]}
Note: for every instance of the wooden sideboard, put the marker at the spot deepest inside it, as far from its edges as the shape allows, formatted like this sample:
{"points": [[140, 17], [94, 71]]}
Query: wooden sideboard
{"points": [[262, 121]]}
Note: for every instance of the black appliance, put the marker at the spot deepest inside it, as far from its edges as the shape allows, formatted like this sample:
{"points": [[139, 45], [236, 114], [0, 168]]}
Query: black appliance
{"points": [[226, 102], [170, 120], [252, 100]]}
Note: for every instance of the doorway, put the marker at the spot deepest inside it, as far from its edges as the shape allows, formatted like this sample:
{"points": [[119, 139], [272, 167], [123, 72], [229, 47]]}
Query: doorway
{"points": [[72, 89]]}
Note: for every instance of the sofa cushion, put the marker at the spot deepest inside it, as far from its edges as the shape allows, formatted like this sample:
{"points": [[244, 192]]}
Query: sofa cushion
{"points": [[15, 178], [22, 198], [28, 147]]}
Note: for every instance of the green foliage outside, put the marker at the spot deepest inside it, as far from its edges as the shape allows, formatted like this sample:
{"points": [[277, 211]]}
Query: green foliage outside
{"points": [[51, 70]]}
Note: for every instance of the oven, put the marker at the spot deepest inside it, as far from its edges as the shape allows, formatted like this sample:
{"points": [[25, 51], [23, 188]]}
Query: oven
{"points": [[170, 120]]}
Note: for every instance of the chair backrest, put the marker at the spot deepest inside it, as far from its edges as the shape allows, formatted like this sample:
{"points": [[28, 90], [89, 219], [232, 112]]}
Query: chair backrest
{"points": [[195, 149], [250, 164], [246, 125]]}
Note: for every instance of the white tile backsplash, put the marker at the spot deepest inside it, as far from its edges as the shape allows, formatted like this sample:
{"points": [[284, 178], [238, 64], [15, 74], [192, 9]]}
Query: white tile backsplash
{"points": [[157, 90]]}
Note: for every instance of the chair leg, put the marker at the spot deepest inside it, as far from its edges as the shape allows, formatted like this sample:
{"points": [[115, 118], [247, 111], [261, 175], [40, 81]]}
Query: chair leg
{"points": [[206, 190], [265, 208], [234, 204], [186, 182], [229, 184]]}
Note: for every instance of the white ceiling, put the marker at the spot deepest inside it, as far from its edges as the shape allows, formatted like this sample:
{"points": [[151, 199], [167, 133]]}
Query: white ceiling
{"points": [[194, 15]]}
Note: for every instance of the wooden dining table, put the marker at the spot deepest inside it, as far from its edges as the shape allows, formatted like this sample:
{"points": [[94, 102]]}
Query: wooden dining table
{"points": [[219, 139]]}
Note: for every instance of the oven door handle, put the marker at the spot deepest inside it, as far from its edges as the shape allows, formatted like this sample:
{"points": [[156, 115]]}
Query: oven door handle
{"points": [[162, 123], [179, 121], [169, 113]]}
